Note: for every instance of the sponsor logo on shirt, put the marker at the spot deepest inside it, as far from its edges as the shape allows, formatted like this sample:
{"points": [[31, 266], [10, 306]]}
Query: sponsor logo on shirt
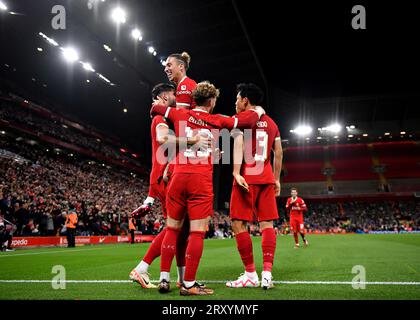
{"points": [[262, 124], [183, 92]]}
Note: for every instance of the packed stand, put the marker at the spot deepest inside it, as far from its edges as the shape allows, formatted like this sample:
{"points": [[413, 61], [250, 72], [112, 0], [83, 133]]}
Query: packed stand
{"points": [[10, 111]]}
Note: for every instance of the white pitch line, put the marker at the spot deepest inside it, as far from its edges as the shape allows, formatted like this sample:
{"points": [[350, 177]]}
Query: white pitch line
{"points": [[224, 281], [46, 252]]}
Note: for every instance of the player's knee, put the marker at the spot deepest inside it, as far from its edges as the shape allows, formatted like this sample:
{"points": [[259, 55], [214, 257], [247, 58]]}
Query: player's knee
{"points": [[266, 224], [176, 224], [239, 226], [198, 225]]}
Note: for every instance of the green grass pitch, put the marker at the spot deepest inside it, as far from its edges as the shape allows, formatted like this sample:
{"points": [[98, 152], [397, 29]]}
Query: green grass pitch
{"points": [[386, 258]]}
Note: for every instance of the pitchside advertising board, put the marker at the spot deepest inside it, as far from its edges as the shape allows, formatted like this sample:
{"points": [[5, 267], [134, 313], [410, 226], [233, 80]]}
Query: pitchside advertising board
{"points": [[20, 242]]}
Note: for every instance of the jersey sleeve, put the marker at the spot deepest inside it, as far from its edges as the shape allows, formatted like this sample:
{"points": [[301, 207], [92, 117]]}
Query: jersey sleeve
{"points": [[246, 119], [277, 134], [159, 120], [174, 115], [235, 133], [158, 110], [303, 205]]}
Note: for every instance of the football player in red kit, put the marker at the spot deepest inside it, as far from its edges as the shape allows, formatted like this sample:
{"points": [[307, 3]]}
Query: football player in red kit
{"points": [[191, 187], [295, 206], [157, 188], [176, 67], [255, 188]]}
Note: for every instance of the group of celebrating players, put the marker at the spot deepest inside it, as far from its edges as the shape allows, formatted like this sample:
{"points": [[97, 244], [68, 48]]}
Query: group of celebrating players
{"points": [[181, 178]]}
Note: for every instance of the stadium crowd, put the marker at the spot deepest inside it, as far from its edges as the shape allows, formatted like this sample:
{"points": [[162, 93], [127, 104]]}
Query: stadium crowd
{"points": [[36, 194], [14, 113], [363, 216]]}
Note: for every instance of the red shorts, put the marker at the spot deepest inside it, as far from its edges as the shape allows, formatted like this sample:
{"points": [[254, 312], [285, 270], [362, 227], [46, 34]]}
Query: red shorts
{"points": [[259, 202], [296, 224], [190, 193], [159, 190]]}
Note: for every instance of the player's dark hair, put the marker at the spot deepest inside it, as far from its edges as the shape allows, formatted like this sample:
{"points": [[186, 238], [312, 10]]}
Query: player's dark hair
{"points": [[293, 189], [160, 88], [251, 91], [183, 58]]}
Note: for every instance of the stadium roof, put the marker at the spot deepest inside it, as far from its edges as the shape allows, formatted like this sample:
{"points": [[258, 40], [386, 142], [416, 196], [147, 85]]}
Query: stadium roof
{"points": [[314, 67]]}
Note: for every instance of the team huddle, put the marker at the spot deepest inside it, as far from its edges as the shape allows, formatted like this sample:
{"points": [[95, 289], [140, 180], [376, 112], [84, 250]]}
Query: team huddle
{"points": [[185, 134]]}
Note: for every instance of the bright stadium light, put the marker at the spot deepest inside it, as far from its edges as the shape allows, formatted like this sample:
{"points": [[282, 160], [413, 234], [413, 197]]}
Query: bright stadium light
{"points": [[107, 48], [49, 40], [3, 6], [104, 78], [70, 54], [151, 49], [119, 15], [387, 133], [87, 66], [136, 34], [335, 128], [403, 132], [39, 49], [302, 130]]}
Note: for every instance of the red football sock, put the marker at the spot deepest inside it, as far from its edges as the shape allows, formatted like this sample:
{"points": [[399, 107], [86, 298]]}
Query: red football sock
{"points": [[295, 235], [268, 248], [244, 245], [154, 250], [193, 254], [182, 245], [168, 249]]}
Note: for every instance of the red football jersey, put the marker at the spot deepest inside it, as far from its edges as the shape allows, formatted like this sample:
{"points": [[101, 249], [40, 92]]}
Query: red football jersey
{"points": [[297, 208], [258, 144], [202, 122], [159, 158], [184, 93]]}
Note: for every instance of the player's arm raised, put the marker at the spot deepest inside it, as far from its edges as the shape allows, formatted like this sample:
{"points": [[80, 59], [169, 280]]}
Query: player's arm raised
{"points": [[278, 161]]}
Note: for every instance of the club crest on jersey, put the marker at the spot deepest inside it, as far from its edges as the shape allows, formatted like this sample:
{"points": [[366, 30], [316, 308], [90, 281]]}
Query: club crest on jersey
{"points": [[184, 87]]}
